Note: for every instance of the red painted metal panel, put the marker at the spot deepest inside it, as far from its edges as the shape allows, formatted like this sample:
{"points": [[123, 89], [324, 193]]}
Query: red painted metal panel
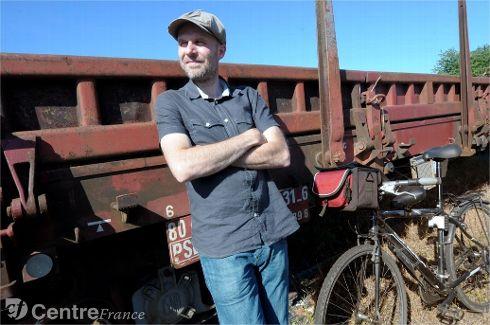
{"points": [[442, 130], [86, 168], [421, 111], [55, 65], [299, 122], [93, 141], [56, 145]]}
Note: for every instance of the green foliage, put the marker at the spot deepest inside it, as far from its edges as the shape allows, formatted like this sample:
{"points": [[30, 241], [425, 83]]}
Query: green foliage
{"points": [[480, 61], [448, 62]]}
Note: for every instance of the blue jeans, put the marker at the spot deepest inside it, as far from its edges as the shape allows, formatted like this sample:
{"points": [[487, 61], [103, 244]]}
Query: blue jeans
{"points": [[250, 287]]}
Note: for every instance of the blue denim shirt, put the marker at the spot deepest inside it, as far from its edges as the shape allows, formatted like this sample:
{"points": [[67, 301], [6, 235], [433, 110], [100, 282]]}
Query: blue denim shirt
{"points": [[236, 209]]}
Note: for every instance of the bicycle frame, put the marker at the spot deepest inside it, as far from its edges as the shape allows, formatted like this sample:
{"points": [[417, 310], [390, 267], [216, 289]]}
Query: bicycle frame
{"points": [[405, 254]]}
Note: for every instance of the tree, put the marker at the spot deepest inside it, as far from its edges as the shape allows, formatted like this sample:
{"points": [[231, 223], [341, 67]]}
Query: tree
{"points": [[448, 62], [480, 61]]}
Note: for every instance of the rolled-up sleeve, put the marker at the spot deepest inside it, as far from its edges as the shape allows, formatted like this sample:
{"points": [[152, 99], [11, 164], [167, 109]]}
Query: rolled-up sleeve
{"points": [[262, 114], [168, 117]]}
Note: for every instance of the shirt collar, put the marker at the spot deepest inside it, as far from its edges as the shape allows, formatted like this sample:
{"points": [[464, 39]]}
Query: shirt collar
{"points": [[223, 85], [193, 91]]}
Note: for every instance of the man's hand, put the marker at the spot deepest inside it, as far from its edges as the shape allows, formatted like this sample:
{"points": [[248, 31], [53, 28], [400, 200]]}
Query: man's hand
{"points": [[255, 136], [187, 162], [273, 153]]}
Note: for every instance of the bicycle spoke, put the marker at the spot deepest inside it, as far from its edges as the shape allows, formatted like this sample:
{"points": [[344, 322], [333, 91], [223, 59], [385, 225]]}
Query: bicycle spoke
{"points": [[354, 278], [347, 289], [386, 290], [339, 316], [341, 297], [482, 225], [335, 305]]}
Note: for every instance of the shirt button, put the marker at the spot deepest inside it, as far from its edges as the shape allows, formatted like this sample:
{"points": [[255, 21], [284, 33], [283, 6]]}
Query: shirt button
{"points": [[226, 120]]}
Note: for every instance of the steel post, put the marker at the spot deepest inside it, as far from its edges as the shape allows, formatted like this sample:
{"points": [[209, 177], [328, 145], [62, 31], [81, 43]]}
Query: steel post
{"points": [[467, 104], [332, 118]]}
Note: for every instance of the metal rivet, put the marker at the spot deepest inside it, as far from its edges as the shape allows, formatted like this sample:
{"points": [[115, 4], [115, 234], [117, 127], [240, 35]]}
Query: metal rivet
{"points": [[207, 124], [226, 120]]}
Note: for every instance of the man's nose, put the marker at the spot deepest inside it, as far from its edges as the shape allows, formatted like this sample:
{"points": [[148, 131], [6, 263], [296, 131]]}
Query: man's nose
{"points": [[190, 48]]}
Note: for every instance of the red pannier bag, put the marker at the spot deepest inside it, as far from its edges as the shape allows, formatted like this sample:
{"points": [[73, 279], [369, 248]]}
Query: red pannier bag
{"points": [[348, 189]]}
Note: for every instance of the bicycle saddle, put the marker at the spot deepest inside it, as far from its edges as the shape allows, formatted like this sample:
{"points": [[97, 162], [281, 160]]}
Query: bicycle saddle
{"points": [[415, 195], [444, 152]]}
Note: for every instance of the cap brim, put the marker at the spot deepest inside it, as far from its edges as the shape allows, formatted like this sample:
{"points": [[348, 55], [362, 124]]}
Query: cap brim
{"points": [[173, 28]]}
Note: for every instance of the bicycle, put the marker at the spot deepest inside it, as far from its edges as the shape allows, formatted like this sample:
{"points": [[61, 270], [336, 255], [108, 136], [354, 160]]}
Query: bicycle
{"points": [[365, 284]]}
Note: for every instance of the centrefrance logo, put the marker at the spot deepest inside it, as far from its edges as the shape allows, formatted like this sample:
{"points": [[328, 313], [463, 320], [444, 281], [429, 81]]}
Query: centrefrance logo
{"points": [[18, 309]]}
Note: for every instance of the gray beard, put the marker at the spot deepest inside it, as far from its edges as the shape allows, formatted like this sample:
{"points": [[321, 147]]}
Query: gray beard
{"points": [[207, 72]]}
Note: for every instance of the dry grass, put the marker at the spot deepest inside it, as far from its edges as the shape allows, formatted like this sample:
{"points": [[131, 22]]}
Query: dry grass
{"points": [[419, 313]]}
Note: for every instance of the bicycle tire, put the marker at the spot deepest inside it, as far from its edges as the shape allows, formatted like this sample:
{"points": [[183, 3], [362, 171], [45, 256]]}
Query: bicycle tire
{"points": [[462, 255], [342, 299]]}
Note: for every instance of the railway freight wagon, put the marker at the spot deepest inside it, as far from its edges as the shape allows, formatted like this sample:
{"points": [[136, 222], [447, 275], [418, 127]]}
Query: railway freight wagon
{"points": [[91, 215]]}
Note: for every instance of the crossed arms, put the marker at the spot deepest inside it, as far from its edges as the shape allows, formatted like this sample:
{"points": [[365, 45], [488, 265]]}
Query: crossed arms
{"points": [[251, 149]]}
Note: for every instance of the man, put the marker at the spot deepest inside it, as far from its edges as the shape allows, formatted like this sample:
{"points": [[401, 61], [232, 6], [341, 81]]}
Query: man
{"points": [[220, 141]]}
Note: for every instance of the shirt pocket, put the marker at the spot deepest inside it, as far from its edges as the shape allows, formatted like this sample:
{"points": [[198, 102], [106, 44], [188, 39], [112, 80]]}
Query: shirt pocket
{"points": [[244, 123], [207, 131]]}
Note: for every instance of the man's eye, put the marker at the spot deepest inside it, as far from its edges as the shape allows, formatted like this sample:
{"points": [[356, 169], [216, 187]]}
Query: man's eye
{"points": [[200, 43], [183, 43]]}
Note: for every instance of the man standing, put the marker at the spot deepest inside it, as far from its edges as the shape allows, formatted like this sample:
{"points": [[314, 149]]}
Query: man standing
{"points": [[221, 141]]}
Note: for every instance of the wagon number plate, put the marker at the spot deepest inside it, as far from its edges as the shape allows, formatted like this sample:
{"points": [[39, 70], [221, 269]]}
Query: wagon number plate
{"points": [[181, 250], [297, 200]]}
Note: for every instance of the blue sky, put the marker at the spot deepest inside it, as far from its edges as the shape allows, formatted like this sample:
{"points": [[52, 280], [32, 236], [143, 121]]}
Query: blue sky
{"points": [[404, 36]]}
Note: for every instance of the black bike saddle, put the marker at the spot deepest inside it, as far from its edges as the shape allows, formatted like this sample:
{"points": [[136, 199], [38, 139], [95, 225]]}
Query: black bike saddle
{"points": [[444, 152]]}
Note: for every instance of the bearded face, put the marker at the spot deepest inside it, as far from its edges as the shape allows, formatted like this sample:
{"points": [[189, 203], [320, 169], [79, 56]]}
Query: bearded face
{"points": [[199, 53], [200, 69]]}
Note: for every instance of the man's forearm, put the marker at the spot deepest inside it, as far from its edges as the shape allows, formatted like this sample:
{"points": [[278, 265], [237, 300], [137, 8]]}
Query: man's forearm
{"points": [[265, 156], [208, 159]]}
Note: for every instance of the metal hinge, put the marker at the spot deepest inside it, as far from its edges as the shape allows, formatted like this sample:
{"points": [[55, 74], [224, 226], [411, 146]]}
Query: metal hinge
{"points": [[20, 156]]}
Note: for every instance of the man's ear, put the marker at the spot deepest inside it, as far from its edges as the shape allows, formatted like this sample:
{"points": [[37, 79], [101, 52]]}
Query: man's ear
{"points": [[221, 51]]}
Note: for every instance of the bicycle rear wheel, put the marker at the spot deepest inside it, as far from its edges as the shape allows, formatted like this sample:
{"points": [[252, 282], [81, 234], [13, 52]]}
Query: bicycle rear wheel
{"points": [[348, 292], [463, 255]]}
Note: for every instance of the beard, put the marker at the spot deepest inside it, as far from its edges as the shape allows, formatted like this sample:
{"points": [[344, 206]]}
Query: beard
{"points": [[207, 70]]}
